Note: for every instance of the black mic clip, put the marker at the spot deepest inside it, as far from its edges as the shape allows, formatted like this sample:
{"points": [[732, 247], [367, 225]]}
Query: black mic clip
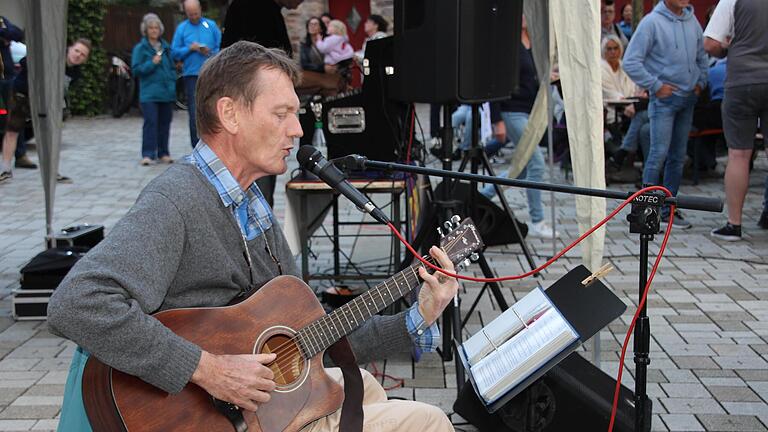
{"points": [[645, 216], [349, 163]]}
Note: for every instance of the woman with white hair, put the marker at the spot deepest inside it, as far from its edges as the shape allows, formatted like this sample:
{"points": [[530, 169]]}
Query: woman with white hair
{"points": [[152, 64], [616, 83], [617, 86]]}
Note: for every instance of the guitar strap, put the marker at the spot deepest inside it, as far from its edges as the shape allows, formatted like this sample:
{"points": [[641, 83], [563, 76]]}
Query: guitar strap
{"points": [[352, 408]]}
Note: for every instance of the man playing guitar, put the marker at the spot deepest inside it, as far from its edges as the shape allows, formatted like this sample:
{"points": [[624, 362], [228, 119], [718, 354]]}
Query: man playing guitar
{"points": [[202, 235]]}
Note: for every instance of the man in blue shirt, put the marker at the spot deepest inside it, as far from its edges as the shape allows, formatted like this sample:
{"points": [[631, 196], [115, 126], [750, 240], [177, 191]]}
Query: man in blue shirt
{"points": [[666, 56], [196, 39]]}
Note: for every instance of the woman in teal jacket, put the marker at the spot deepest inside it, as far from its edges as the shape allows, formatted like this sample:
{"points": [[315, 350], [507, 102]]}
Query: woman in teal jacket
{"points": [[152, 64]]}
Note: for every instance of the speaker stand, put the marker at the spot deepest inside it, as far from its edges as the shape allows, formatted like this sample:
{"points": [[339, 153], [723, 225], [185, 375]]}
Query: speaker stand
{"points": [[475, 157]]}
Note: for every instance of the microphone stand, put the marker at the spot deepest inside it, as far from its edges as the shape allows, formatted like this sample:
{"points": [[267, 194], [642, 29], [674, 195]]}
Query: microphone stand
{"points": [[644, 219]]}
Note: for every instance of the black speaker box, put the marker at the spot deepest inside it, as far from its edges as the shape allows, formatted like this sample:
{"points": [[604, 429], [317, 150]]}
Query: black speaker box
{"points": [[449, 51], [492, 221], [574, 395]]}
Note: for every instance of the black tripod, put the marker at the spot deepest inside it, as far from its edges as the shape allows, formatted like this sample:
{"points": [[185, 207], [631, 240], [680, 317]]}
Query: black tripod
{"points": [[476, 157], [442, 209]]}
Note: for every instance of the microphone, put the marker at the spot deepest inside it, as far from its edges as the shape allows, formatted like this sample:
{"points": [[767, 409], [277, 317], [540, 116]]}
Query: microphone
{"points": [[311, 159]]}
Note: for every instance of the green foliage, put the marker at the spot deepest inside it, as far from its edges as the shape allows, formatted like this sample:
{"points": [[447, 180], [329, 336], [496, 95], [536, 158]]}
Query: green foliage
{"points": [[86, 20]]}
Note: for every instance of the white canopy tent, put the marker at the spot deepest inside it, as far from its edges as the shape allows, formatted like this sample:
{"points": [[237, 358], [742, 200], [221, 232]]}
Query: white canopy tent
{"points": [[576, 45]]}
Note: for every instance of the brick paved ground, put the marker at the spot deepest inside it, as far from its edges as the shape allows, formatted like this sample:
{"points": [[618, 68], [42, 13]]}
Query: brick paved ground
{"points": [[709, 308]]}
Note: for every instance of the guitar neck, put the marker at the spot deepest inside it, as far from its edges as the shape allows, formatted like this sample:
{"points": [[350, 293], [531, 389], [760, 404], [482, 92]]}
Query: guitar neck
{"points": [[324, 332]]}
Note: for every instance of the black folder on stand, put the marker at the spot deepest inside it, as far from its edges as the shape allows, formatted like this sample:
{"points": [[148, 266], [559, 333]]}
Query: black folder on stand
{"points": [[587, 308]]}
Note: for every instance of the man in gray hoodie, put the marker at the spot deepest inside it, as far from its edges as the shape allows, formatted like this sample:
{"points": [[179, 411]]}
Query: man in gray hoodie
{"points": [[666, 56]]}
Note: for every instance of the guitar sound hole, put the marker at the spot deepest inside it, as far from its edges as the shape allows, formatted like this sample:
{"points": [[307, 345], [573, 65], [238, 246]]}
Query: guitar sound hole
{"points": [[289, 363]]}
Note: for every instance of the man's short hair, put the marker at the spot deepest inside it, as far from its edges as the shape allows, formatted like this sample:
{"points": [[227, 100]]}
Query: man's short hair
{"points": [[83, 41], [234, 73]]}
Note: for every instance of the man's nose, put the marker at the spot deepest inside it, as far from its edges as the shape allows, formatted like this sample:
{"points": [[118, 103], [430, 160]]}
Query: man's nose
{"points": [[295, 128]]}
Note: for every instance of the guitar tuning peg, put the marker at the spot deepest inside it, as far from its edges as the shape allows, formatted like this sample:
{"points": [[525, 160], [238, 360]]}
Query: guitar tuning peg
{"points": [[466, 262], [440, 232], [474, 257], [456, 219], [448, 226], [460, 267]]}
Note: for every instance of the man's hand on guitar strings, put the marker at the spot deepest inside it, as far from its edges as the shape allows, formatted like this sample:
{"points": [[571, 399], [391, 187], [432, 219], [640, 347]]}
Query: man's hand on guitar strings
{"points": [[438, 290], [241, 379]]}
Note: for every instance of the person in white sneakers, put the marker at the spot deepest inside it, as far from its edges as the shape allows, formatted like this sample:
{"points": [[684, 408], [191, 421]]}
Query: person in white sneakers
{"points": [[510, 117]]}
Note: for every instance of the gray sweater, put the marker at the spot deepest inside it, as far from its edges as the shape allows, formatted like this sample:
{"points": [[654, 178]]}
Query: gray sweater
{"points": [[177, 247]]}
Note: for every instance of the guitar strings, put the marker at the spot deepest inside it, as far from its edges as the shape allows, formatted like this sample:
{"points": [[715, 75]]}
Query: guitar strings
{"points": [[284, 356], [289, 345]]}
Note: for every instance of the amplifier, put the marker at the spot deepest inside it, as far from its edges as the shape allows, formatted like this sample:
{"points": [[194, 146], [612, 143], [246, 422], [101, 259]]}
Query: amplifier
{"points": [[574, 395]]}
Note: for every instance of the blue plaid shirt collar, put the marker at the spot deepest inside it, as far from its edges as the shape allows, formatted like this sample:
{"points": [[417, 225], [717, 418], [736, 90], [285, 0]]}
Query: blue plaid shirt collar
{"points": [[250, 208]]}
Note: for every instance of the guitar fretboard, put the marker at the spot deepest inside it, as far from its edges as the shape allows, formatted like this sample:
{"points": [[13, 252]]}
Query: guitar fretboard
{"points": [[324, 332]]}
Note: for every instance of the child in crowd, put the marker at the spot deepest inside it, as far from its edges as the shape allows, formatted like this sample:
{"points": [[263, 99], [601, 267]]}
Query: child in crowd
{"points": [[336, 48]]}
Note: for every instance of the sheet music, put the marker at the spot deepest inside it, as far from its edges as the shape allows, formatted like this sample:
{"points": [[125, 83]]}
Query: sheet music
{"points": [[542, 333]]}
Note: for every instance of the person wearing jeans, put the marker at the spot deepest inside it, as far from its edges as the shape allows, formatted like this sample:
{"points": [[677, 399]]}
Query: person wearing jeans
{"points": [[515, 123], [671, 119], [509, 118], [666, 56], [152, 64], [195, 41]]}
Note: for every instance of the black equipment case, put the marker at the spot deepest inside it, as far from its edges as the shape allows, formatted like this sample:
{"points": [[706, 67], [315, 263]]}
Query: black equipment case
{"points": [[43, 273]]}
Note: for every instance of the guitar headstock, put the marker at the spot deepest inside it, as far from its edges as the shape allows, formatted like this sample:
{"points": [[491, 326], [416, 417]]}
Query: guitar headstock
{"points": [[460, 240]]}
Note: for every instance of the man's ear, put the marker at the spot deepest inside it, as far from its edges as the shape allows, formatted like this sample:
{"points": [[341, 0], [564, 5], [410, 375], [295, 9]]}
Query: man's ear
{"points": [[227, 110]]}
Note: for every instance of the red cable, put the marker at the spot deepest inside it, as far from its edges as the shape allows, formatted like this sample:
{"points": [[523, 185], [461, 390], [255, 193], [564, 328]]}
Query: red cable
{"points": [[399, 382], [541, 267], [634, 318], [563, 252]]}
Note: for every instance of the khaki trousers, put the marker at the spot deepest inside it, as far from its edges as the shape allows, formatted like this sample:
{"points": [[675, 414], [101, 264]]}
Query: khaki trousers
{"points": [[382, 415]]}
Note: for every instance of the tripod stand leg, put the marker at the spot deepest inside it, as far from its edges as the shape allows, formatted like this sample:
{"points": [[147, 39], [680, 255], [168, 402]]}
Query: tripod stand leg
{"points": [[456, 310]]}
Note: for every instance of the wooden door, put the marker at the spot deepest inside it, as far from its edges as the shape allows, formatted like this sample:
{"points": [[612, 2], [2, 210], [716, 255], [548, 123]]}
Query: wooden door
{"points": [[353, 13]]}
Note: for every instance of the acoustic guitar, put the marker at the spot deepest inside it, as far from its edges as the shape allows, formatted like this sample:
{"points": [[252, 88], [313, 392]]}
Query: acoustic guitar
{"points": [[282, 317]]}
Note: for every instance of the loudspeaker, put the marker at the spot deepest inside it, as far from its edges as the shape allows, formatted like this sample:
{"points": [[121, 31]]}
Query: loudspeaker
{"points": [[449, 51], [574, 395], [492, 221]]}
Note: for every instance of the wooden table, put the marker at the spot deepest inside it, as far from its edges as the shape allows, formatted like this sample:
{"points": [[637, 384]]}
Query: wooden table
{"points": [[304, 188]]}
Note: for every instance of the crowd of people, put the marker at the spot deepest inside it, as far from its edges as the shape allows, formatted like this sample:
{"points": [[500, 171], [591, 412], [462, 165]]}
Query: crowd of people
{"points": [[675, 76]]}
